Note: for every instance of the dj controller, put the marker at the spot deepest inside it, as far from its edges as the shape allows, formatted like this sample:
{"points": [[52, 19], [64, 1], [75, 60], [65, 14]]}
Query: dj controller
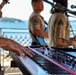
{"points": [[47, 61]]}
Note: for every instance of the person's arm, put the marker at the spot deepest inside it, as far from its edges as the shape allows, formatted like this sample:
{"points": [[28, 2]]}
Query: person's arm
{"points": [[62, 34], [2, 5], [0, 14], [60, 42], [36, 27], [11, 45], [40, 33]]}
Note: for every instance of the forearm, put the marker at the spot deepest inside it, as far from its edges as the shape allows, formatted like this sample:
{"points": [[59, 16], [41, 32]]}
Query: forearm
{"points": [[2, 4], [0, 14], [60, 42], [67, 42], [40, 33], [3, 42], [8, 44]]}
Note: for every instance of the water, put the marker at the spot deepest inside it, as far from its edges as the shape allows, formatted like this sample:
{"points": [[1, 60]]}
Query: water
{"points": [[9, 25]]}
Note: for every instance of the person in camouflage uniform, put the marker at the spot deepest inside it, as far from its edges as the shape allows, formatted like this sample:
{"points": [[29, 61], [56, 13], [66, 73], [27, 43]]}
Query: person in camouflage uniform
{"points": [[59, 27], [36, 22]]}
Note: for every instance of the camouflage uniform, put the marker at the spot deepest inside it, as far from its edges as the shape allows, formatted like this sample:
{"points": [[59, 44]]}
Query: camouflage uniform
{"points": [[58, 27], [35, 22]]}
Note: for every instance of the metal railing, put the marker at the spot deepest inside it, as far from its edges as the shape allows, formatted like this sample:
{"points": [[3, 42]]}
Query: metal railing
{"points": [[21, 37]]}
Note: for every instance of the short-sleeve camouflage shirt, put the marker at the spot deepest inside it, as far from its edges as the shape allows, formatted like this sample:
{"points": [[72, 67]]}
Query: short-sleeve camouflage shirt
{"points": [[58, 27], [35, 22]]}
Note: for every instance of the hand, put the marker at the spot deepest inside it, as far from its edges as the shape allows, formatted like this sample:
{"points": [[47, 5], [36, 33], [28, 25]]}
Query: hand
{"points": [[17, 48], [0, 14], [23, 51]]}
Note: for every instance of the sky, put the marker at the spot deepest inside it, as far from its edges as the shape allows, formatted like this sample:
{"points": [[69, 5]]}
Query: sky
{"points": [[21, 9]]}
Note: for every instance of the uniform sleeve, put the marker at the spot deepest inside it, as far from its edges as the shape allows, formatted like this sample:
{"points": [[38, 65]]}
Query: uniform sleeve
{"points": [[34, 23], [60, 28]]}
